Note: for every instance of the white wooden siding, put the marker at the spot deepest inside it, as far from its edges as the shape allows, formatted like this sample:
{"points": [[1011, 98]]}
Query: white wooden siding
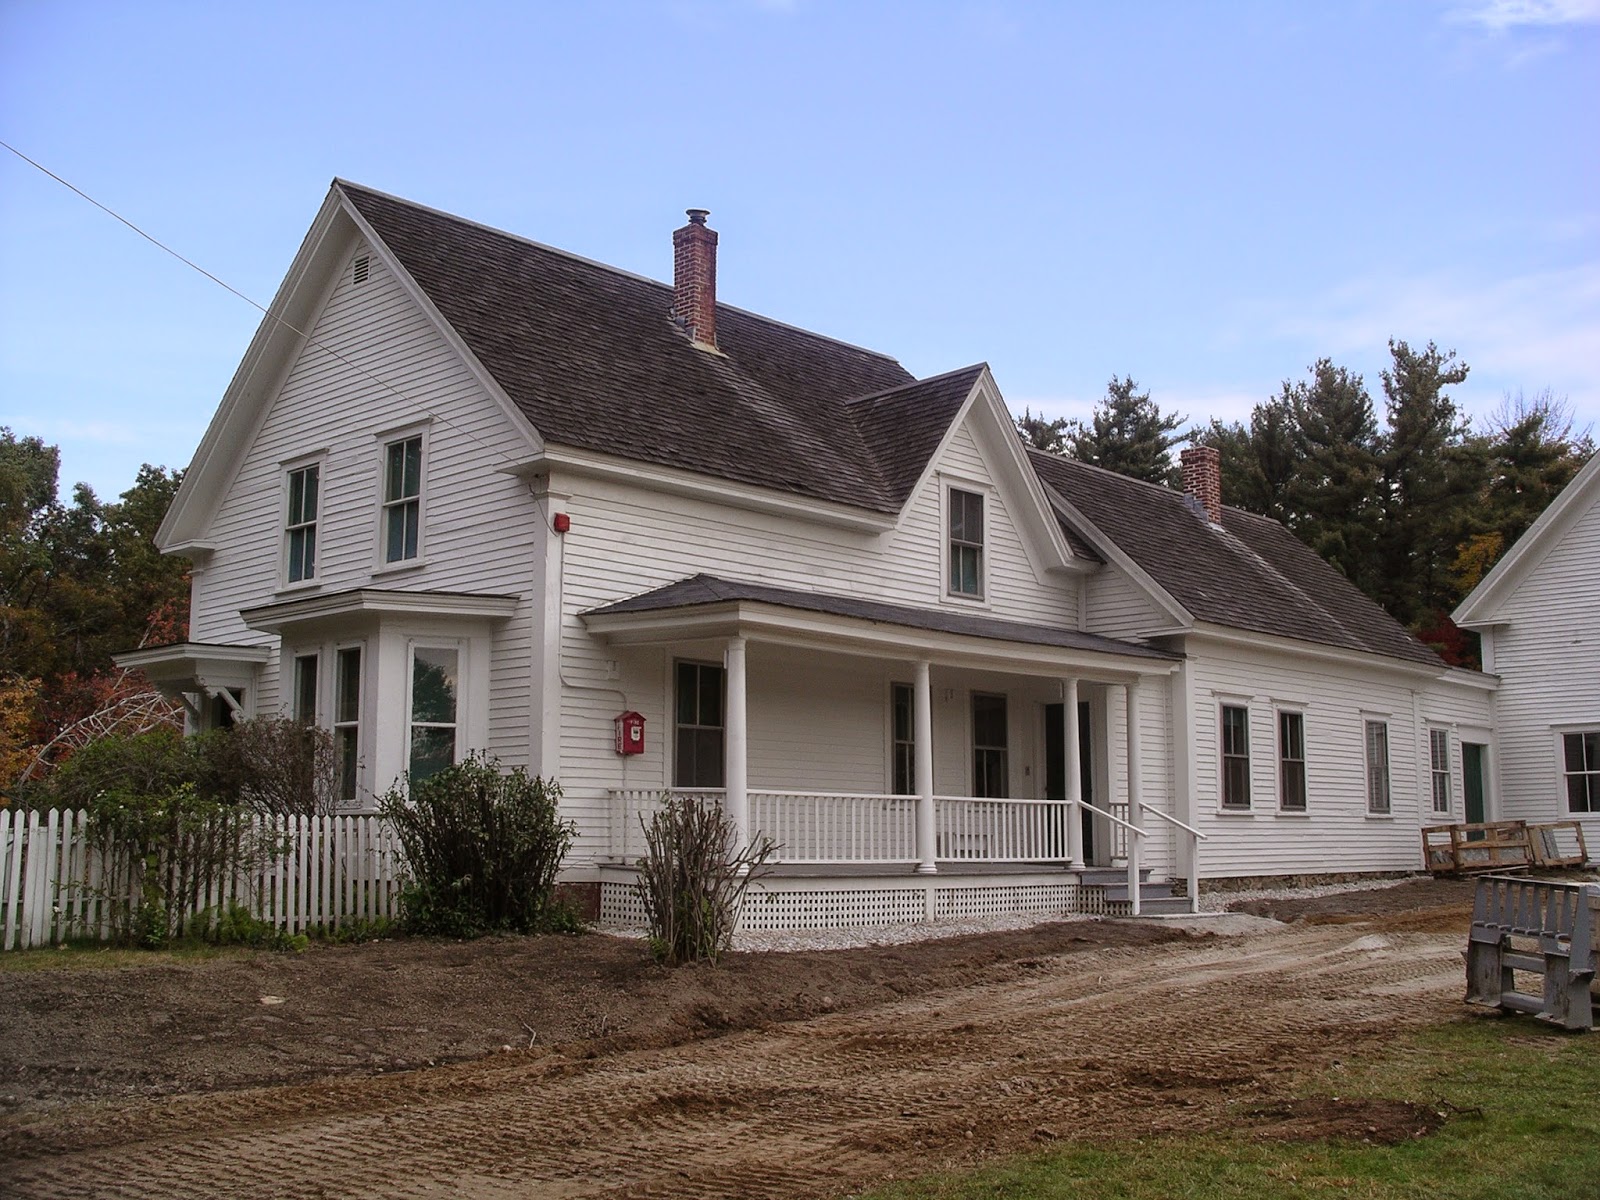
{"points": [[327, 406], [1118, 607], [1336, 833], [1548, 660]]}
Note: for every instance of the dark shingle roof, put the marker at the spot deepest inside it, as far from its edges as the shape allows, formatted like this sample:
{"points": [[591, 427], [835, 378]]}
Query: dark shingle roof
{"points": [[1250, 574], [593, 359], [700, 590]]}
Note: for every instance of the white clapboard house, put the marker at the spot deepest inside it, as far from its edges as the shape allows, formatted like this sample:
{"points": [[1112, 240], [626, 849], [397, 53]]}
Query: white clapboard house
{"points": [[471, 493], [1538, 614]]}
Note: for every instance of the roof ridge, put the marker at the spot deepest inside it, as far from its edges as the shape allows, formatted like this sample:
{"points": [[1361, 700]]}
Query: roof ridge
{"points": [[901, 387], [606, 267]]}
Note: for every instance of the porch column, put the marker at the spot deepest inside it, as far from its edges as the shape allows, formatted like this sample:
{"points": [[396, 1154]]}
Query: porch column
{"points": [[1071, 733], [922, 715], [737, 796], [1135, 790]]}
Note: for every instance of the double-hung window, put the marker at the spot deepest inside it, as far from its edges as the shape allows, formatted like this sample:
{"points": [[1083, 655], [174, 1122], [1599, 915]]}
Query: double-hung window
{"points": [[305, 688], [435, 672], [347, 719], [402, 499], [1439, 768], [966, 544], [990, 757], [1235, 756], [905, 746], [698, 760], [1291, 761], [301, 526], [1580, 770], [1378, 767]]}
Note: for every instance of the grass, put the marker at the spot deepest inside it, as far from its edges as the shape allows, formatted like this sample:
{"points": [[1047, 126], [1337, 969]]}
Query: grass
{"points": [[1538, 1135]]}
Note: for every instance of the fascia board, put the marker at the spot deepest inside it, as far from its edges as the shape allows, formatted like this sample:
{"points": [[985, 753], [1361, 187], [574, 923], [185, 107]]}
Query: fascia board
{"points": [[1114, 554], [190, 652], [677, 481], [517, 419], [274, 618], [1289, 647], [776, 623], [223, 444], [1042, 534], [1479, 608]]}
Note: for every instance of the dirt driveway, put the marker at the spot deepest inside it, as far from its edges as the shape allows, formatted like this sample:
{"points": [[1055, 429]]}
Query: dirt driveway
{"points": [[927, 1055]]}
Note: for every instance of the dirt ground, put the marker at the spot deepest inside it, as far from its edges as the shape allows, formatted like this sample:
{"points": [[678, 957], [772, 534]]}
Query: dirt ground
{"points": [[568, 1067]]}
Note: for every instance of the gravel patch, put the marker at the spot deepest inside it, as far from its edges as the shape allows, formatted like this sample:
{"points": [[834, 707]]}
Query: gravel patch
{"points": [[1222, 901]]}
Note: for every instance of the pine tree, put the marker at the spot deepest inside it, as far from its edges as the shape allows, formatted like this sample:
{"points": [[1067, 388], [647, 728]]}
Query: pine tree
{"points": [[1128, 433], [1049, 436], [1333, 496], [1259, 460]]}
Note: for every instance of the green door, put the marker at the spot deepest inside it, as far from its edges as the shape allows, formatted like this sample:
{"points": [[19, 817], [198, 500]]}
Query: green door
{"points": [[1473, 757]]}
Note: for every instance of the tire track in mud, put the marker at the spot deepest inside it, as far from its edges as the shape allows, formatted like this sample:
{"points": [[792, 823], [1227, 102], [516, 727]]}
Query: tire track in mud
{"points": [[1123, 1041]]}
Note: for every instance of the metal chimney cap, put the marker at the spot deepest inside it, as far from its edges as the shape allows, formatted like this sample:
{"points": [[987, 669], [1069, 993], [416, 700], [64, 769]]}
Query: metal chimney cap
{"points": [[697, 216]]}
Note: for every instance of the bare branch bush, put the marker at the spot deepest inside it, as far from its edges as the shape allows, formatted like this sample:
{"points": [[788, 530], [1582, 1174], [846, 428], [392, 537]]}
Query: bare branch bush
{"points": [[693, 879]]}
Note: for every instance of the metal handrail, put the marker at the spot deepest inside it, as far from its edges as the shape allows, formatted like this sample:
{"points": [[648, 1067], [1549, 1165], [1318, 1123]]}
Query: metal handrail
{"points": [[1156, 812], [1113, 817]]}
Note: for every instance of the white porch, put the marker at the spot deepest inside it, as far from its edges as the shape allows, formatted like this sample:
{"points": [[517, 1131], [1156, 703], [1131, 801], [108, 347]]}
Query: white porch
{"points": [[811, 700]]}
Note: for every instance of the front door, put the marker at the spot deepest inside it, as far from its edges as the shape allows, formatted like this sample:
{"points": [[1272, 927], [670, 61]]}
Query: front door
{"points": [[1472, 759], [1055, 764]]}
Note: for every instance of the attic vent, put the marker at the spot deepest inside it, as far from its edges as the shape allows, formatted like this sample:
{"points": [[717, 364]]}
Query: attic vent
{"points": [[363, 268]]}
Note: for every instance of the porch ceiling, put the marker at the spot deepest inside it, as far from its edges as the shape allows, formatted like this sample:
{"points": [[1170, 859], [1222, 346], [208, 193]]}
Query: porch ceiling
{"points": [[704, 606]]}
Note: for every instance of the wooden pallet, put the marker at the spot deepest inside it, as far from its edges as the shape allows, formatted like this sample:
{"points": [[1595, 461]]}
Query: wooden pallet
{"points": [[1550, 930], [1464, 849]]}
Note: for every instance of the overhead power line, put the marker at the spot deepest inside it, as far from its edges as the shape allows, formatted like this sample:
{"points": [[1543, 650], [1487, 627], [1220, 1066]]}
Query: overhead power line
{"points": [[227, 287]]}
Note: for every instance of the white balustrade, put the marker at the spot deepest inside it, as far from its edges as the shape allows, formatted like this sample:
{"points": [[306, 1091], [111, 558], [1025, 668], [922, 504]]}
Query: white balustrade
{"points": [[995, 830]]}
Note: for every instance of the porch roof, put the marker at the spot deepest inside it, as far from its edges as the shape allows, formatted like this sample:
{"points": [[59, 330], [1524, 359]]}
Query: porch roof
{"points": [[703, 596]]}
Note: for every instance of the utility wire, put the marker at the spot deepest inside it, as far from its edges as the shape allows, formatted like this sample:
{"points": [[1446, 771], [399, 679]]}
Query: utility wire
{"points": [[326, 349]]}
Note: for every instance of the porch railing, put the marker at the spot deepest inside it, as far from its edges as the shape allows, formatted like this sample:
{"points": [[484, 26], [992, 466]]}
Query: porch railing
{"points": [[985, 830], [837, 827]]}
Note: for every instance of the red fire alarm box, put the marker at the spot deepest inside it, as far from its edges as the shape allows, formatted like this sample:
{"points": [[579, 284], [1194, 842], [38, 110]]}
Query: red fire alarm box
{"points": [[630, 733]]}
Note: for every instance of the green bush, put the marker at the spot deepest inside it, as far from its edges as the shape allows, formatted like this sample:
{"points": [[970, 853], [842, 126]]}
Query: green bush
{"points": [[482, 849], [693, 877]]}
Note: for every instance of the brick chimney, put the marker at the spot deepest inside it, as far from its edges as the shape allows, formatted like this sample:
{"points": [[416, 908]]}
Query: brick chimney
{"points": [[694, 278], [1202, 479]]}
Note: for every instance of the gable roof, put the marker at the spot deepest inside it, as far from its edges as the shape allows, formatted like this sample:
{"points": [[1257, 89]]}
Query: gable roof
{"points": [[703, 590], [591, 356], [1250, 574], [1483, 602]]}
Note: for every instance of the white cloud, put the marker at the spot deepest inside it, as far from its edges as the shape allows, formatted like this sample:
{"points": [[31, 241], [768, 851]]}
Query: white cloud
{"points": [[1498, 16]]}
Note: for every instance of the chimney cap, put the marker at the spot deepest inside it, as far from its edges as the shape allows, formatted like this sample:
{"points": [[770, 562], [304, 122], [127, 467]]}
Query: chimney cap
{"points": [[697, 216]]}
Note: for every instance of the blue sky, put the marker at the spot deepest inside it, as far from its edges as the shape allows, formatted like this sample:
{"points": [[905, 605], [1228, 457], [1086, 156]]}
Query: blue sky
{"points": [[1205, 196]]}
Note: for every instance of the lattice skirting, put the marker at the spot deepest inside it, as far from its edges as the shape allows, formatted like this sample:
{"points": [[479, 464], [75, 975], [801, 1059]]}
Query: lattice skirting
{"points": [[843, 903]]}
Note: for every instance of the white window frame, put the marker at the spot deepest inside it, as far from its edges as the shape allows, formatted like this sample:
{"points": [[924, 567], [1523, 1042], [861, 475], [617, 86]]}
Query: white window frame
{"points": [[1368, 720], [1438, 774], [1006, 750], [1564, 808], [672, 707], [287, 469], [381, 563], [458, 726], [358, 726], [1278, 714], [895, 743], [948, 486], [313, 655], [1223, 704]]}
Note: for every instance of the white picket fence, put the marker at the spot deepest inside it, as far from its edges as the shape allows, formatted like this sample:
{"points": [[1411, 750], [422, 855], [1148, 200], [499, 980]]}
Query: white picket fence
{"points": [[328, 871]]}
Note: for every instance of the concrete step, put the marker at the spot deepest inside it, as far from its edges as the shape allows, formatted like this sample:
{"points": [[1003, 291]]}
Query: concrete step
{"points": [[1163, 905], [1147, 891], [1110, 876]]}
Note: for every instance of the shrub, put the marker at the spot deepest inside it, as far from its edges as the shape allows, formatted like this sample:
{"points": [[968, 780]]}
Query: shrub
{"points": [[482, 849], [693, 877], [271, 766]]}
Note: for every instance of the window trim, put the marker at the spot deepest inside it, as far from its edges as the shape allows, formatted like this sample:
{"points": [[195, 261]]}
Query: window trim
{"points": [[287, 469], [338, 725], [1563, 797], [1370, 721], [973, 747], [297, 690], [1225, 703], [949, 484], [385, 439], [1298, 712], [1436, 773], [672, 707], [456, 726], [895, 742]]}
